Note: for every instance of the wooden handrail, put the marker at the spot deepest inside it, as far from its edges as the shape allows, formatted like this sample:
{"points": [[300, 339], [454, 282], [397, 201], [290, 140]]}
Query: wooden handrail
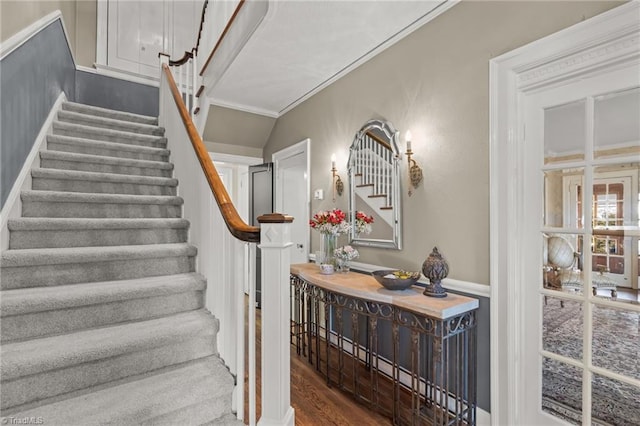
{"points": [[224, 33], [181, 61], [204, 9], [232, 219], [379, 140], [190, 54]]}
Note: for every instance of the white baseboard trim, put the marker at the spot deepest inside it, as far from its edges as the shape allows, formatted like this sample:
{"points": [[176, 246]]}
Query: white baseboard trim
{"points": [[21, 37], [467, 287], [90, 70], [483, 418], [122, 75], [13, 206]]}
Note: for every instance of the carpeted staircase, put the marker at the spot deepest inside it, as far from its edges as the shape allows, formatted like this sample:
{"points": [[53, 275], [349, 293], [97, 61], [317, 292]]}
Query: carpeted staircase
{"points": [[102, 314]]}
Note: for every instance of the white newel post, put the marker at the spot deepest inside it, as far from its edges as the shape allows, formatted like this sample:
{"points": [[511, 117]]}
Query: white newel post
{"points": [[164, 59], [275, 240]]}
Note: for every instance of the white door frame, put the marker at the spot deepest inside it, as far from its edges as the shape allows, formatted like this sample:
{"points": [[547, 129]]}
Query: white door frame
{"points": [[302, 147], [605, 41]]}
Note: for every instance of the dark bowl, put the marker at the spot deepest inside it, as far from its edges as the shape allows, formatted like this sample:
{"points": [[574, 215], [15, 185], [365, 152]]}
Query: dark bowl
{"points": [[395, 283]]}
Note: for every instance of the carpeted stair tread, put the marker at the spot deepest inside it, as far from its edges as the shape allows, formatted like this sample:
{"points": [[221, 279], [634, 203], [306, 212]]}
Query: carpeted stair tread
{"points": [[77, 255], [42, 299], [112, 146], [51, 353], [102, 177], [109, 113], [89, 205], [109, 123], [108, 135], [48, 224], [143, 400], [102, 316], [48, 232], [99, 159], [73, 197]]}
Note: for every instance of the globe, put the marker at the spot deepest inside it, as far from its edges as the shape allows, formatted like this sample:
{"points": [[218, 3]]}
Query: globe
{"points": [[559, 252]]}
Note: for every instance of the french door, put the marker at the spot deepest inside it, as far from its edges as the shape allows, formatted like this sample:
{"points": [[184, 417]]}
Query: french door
{"points": [[580, 341]]}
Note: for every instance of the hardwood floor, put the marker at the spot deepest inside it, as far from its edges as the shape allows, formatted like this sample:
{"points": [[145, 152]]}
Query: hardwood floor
{"points": [[313, 401]]}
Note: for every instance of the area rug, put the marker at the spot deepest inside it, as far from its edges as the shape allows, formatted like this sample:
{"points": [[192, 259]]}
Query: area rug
{"points": [[616, 347]]}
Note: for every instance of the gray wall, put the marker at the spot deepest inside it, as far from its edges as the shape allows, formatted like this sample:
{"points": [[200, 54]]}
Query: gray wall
{"points": [[108, 92], [31, 79]]}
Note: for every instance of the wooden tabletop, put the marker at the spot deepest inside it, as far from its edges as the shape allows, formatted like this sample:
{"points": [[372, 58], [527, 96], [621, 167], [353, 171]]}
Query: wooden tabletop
{"points": [[366, 287]]}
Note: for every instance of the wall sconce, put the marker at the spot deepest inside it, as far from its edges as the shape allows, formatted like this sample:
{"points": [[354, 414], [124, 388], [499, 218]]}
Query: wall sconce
{"points": [[336, 182], [415, 172]]}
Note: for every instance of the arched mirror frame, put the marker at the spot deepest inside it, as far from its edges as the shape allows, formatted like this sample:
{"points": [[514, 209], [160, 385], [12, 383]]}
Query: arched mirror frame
{"points": [[377, 131]]}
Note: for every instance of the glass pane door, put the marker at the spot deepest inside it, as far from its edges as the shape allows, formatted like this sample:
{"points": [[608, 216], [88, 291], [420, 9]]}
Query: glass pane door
{"points": [[589, 353]]}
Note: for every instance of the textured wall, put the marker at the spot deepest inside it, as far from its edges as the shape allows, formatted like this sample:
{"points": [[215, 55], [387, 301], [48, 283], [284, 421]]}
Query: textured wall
{"points": [[79, 17], [86, 31], [16, 15], [31, 79], [434, 82], [108, 92]]}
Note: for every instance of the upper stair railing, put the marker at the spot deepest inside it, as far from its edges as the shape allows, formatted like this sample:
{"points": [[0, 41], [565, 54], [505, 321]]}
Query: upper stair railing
{"points": [[225, 296], [186, 69]]}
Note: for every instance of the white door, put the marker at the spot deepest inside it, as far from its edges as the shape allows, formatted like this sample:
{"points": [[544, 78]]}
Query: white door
{"points": [[580, 344], [138, 30], [292, 195]]}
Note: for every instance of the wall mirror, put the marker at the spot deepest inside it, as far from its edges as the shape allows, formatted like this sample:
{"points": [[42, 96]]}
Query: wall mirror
{"points": [[374, 184]]}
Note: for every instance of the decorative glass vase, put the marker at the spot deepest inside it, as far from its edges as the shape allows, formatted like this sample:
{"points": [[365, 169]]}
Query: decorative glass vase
{"points": [[328, 248], [343, 265]]}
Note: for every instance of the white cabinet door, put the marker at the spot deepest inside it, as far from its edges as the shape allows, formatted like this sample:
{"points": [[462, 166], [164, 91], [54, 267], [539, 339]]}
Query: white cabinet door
{"points": [[138, 30]]}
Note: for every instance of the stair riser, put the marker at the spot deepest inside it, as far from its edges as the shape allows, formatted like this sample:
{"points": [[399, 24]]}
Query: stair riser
{"points": [[104, 151], [81, 376], [110, 114], [73, 273], [123, 127], [104, 168], [40, 324], [96, 237], [99, 210], [69, 185], [157, 142]]}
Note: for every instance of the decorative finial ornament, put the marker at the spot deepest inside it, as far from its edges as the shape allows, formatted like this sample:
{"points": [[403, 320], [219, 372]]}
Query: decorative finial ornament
{"points": [[436, 268]]}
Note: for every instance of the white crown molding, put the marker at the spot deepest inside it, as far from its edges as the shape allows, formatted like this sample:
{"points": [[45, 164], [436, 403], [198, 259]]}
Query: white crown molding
{"points": [[235, 159], [432, 14], [582, 62], [21, 37], [243, 108]]}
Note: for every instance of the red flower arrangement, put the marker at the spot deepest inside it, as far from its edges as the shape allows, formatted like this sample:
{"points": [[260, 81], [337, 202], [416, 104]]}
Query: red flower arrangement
{"points": [[330, 222]]}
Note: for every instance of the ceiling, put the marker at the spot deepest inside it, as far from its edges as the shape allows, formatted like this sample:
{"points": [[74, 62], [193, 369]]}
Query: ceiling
{"points": [[302, 46]]}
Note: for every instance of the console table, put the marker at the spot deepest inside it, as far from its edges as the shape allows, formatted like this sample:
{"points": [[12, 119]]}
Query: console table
{"points": [[406, 355]]}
